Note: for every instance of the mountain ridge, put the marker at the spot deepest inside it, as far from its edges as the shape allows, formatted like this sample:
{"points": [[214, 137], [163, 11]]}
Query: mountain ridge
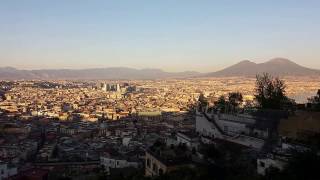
{"points": [[275, 66], [10, 73]]}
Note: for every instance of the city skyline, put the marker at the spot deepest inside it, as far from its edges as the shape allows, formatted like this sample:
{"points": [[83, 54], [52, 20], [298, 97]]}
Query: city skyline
{"points": [[172, 36]]}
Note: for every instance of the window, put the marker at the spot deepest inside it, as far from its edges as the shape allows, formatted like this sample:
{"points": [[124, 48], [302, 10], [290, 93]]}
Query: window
{"points": [[262, 164], [154, 167], [226, 128], [160, 172], [148, 163]]}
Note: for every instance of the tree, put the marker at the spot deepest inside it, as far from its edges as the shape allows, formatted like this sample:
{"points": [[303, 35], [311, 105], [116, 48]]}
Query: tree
{"points": [[315, 101], [221, 103], [235, 99], [270, 92]]}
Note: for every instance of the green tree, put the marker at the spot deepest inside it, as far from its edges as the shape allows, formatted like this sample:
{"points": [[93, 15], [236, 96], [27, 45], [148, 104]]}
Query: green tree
{"points": [[270, 92], [221, 103]]}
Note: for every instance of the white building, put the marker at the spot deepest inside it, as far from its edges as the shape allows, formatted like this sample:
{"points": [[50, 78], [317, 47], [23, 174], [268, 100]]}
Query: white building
{"points": [[118, 88], [240, 129], [109, 162], [206, 128]]}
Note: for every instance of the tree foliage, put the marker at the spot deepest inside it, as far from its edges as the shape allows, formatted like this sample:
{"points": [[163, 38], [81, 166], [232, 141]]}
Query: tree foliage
{"points": [[270, 92], [221, 103], [315, 101], [235, 99]]}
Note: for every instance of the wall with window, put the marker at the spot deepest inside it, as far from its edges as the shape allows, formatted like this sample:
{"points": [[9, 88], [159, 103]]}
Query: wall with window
{"points": [[154, 167]]}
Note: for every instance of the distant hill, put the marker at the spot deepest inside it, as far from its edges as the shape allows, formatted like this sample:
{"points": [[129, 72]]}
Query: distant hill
{"points": [[9, 73], [276, 66]]}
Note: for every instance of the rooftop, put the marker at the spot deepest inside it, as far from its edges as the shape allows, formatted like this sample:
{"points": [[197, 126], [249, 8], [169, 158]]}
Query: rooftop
{"points": [[170, 156]]}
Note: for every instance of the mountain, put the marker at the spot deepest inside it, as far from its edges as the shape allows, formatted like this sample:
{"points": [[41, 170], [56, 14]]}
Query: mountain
{"points": [[276, 66], [9, 73]]}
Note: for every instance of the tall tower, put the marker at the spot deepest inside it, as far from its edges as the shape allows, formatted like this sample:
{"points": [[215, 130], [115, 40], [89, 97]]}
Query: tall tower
{"points": [[118, 89], [104, 87]]}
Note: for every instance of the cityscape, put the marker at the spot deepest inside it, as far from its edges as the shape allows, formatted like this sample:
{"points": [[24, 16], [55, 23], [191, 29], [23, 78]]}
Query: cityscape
{"points": [[110, 91], [98, 129]]}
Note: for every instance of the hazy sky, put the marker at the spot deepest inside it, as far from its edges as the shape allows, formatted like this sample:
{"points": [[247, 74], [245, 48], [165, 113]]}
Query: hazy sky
{"points": [[169, 34]]}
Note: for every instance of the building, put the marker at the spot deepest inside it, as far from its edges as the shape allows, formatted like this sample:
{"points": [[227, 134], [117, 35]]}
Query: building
{"points": [[160, 159], [301, 126], [104, 87], [6, 171], [251, 130], [109, 162], [118, 88], [32, 174], [190, 139]]}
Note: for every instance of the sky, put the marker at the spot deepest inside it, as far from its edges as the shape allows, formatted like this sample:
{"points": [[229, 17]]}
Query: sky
{"points": [[173, 35]]}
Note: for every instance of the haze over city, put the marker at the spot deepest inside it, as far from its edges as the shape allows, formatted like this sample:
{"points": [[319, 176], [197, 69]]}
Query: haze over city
{"points": [[174, 36]]}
